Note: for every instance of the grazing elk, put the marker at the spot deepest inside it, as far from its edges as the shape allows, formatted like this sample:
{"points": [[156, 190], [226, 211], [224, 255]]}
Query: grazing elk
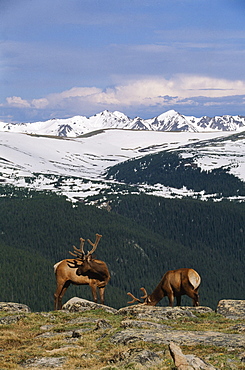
{"points": [[174, 283], [83, 270]]}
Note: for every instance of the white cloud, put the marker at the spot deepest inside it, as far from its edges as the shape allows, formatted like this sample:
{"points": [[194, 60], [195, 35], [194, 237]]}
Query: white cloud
{"points": [[40, 103], [75, 92], [16, 101], [143, 92]]}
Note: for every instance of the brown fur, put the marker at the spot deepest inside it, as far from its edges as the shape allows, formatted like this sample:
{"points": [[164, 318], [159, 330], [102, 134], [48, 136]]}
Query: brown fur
{"points": [[67, 272], [174, 283]]}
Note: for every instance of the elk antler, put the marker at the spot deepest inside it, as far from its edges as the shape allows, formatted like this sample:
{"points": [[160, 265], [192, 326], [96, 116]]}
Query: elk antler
{"points": [[144, 291], [134, 298], [95, 244], [79, 252]]}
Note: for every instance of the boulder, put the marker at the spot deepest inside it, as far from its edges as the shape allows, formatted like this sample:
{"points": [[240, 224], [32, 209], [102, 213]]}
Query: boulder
{"points": [[47, 362], [76, 304], [187, 362], [13, 319], [232, 308], [162, 313], [16, 307], [140, 356], [189, 338]]}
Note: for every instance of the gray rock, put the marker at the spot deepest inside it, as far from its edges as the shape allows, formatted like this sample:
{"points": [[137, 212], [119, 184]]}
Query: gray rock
{"points": [[232, 308], [47, 334], [47, 327], [162, 313], [76, 304], [187, 362], [77, 333], [180, 360], [145, 357], [239, 327], [10, 319], [190, 338], [143, 324], [102, 324], [198, 364], [49, 362], [10, 306], [136, 355]]}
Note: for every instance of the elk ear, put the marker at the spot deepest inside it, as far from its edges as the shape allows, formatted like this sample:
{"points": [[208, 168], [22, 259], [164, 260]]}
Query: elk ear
{"points": [[89, 258]]}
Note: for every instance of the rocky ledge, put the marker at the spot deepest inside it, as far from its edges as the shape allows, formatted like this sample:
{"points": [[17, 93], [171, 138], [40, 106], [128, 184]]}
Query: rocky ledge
{"points": [[231, 309], [141, 323]]}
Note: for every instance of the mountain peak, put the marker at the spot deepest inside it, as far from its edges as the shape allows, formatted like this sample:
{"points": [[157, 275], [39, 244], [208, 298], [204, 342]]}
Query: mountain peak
{"points": [[169, 113], [170, 120]]}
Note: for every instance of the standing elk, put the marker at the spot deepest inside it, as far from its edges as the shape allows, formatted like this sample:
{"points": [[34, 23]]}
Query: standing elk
{"points": [[174, 283], [83, 270]]}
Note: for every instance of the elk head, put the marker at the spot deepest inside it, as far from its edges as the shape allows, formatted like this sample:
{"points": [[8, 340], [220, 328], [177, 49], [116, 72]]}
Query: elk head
{"points": [[84, 266]]}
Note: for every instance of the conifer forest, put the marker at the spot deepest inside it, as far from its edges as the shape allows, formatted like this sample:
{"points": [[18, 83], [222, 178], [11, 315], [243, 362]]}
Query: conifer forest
{"points": [[142, 237]]}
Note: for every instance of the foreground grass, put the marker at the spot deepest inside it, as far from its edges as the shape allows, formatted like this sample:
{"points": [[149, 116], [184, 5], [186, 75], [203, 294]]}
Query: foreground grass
{"points": [[86, 345]]}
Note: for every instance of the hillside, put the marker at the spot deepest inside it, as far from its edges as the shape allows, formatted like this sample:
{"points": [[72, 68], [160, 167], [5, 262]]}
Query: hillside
{"points": [[190, 167], [86, 166], [143, 237]]}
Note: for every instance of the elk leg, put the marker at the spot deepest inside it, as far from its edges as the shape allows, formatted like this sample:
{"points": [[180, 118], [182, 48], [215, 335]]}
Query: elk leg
{"points": [[102, 294], [195, 297], [56, 298], [93, 287], [178, 299], [58, 295], [171, 299]]}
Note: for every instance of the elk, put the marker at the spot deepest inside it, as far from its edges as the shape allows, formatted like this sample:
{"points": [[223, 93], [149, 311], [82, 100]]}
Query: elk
{"points": [[81, 270], [174, 283]]}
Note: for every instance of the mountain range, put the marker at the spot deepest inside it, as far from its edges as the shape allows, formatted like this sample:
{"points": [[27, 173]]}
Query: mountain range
{"points": [[107, 161], [168, 121], [128, 172]]}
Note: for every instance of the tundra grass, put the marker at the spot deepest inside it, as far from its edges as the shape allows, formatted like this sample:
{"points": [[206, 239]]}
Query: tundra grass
{"points": [[207, 322], [53, 334]]}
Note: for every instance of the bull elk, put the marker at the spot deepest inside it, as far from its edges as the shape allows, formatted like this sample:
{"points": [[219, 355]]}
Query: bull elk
{"points": [[81, 270], [174, 283]]}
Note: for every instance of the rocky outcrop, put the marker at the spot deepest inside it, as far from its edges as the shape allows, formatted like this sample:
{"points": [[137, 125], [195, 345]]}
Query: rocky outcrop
{"points": [[148, 331], [47, 362], [189, 338], [138, 323], [6, 320], [140, 356], [232, 308], [162, 313], [10, 306]]}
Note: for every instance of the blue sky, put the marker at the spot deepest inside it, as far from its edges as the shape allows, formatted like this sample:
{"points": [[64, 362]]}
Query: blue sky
{"points": [[60, 58]]}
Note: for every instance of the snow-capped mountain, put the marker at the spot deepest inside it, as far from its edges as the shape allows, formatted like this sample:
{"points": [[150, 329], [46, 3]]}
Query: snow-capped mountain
{"points": [[77, 167], [168, 121]]}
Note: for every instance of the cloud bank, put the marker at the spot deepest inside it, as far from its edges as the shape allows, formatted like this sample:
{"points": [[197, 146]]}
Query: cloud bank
{"points": [[134, 94]]}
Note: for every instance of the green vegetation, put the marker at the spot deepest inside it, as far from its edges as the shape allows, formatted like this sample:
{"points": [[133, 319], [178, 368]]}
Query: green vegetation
{"points": [[143, 237], [171, 169]]}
